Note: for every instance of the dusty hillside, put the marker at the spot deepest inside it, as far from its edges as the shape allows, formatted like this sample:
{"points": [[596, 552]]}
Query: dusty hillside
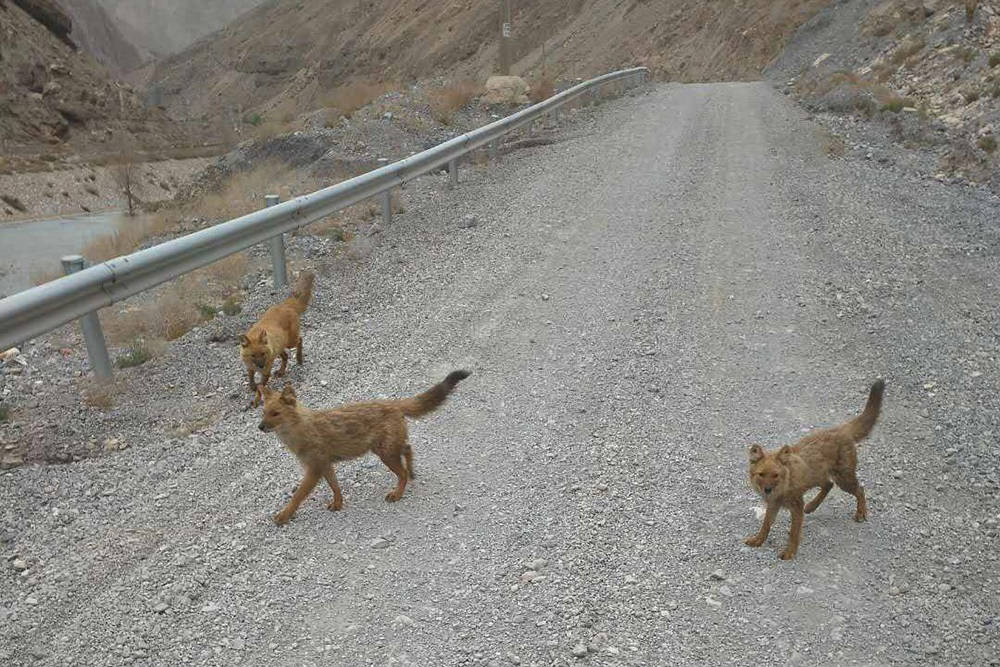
{"points": [[56, 102], [96, 33], [167, 26], [926, 70], [302, 50]]}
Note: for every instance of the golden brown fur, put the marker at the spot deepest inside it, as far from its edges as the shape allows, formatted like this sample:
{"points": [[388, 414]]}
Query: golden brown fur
{"points": [[320, 439], [819, 460], [276, 331]]}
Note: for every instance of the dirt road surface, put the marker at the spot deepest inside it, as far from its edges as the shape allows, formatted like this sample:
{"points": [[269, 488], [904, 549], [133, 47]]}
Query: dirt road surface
{"points": [[638, 304]]}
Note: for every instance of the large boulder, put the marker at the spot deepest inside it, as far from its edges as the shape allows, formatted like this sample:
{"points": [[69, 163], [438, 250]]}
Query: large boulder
{"points": [[506, 90]]}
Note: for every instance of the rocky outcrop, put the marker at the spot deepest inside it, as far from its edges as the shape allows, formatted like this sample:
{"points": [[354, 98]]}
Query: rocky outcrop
{"points": [[51, 16], [506, 90]]}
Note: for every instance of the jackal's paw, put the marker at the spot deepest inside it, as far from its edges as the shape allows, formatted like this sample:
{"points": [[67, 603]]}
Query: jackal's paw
{"points": [[392, 496], [860, 516], [787, 554], [281, 518], [754, 541], [335, 505]]}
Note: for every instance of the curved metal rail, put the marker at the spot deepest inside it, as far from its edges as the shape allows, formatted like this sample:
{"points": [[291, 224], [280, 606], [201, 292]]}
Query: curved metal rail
{"points": [[36, 311]]}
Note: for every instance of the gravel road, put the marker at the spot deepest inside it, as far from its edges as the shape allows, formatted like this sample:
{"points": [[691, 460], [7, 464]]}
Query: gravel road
{"points": [[685, 275]]}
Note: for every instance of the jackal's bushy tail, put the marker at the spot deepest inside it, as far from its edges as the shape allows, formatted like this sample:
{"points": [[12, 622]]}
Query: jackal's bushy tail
{"points": [[431, 400], [862, 425], [303, 291]]}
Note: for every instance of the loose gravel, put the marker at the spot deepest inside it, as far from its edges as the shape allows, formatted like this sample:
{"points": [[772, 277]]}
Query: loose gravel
{"points": [[688, 275]]}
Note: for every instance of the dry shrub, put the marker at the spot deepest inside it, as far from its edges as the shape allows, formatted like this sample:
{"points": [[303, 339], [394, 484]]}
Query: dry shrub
{"points": [[541, 89], [175, 315], [970, 9], [910, 47], [243, 192], [446, 100], [129, 235], [834, 147], [844, 92], [229, 271], [42, 276], [346, 99], [97, 393], [274, 127]]}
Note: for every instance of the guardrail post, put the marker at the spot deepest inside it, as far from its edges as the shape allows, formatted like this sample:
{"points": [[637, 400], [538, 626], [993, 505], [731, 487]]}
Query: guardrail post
{"points": [[276, 244], [453, 171], [491, 150], [97, 350], [387, 207]]}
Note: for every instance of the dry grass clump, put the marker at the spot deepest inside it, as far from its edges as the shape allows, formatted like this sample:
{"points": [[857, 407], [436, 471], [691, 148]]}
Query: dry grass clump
{"points": [[131, 232], [446, 100], [909, 48], [243, 192], [229, 271], [97, 393], [970, 9], [541, 89], [339, 226], [170, 313], [346, 99]]}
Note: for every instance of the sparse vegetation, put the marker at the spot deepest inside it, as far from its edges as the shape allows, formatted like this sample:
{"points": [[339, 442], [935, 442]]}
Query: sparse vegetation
{"points": [[541, 89], [988, 143], [230, 270], [347, 99], [4, 414], [231, 306], [966, 53], [125, 174], [910, 47], [970, 10], [832, 145], [130, 235], [207, 311], [244, 191], [446, 100], [970, 96], [254, 119], [896, 104], [98, 393], [994, 59], [136, 354]]}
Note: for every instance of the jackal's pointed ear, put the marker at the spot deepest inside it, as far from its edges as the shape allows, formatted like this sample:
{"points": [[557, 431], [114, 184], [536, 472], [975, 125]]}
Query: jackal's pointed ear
{"points": [[262, 338], [288, 395], [756, 453], [784, 454], [244, 341]]}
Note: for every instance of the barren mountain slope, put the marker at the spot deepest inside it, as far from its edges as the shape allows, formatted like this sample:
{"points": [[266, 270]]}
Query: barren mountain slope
{"points": [[302, 50], [167, 26], [58, 101], [96, 33]]}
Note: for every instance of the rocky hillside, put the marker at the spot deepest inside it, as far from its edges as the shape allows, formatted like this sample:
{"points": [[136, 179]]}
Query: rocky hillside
{"points": [[302, 50], [168, 26], [96, 33], [928, 71], [56, 102]]}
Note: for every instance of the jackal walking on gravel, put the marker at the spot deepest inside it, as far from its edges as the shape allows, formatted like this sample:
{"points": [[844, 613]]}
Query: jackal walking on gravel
{"points": [[322, 438], [820, 459], [276, 331]]}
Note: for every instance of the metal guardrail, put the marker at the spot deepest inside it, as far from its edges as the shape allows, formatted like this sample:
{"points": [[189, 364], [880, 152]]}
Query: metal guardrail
{"points": [[39, 310]]}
